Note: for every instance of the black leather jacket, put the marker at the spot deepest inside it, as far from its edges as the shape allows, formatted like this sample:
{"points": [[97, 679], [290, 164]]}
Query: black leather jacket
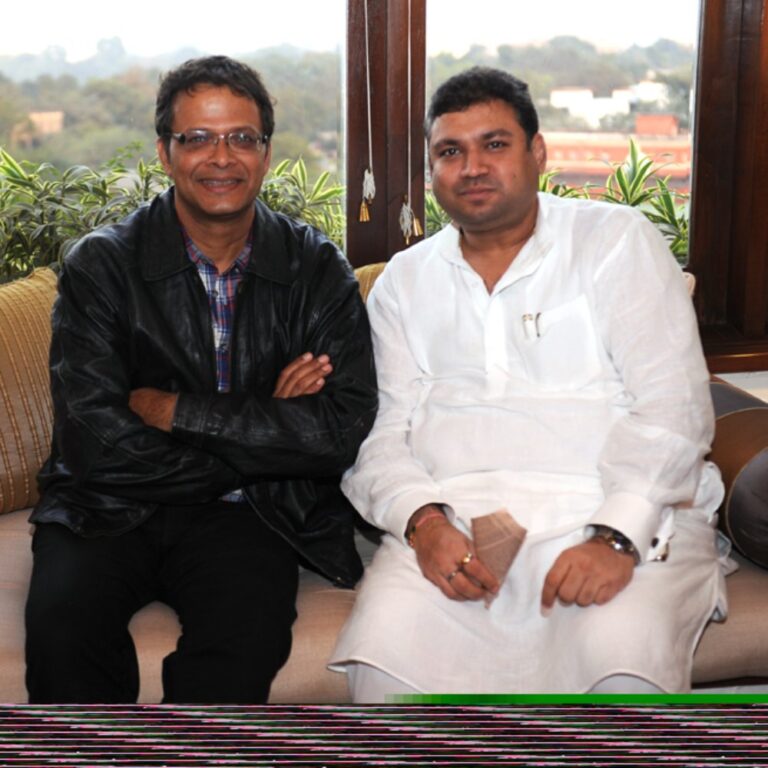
{"points": [[132, 312]]}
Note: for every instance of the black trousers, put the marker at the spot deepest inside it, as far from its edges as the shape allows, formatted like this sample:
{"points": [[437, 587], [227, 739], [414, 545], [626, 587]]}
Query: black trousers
{"points": [[231, 580]]}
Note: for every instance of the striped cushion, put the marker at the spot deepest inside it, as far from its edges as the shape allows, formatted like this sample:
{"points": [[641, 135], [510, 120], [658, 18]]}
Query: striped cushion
{"points": [[25, 403], [367, 275]]}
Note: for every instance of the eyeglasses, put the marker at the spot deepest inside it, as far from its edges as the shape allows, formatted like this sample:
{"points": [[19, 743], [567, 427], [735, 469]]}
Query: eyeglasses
{"points": [[239, 141]]}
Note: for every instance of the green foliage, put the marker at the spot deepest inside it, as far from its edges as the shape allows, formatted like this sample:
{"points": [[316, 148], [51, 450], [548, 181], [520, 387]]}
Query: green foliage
{"points": [[436, 218], [629, 182], [44, 210], [636, 182], [547, 183], [287, 189], [669, 211]]}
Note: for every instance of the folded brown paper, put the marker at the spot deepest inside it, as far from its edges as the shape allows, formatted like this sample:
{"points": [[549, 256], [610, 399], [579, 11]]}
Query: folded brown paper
{"points": [[497, 538]]}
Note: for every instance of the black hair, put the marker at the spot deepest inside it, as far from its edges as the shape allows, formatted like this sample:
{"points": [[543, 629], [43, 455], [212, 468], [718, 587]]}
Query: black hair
{"points": [[477, 86], [216, 71]]}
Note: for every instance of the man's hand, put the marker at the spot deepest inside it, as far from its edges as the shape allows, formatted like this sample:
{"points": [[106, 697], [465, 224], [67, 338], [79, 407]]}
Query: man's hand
{"points": [[447, 558], [304, 376], [154, 406], [590, 572]]}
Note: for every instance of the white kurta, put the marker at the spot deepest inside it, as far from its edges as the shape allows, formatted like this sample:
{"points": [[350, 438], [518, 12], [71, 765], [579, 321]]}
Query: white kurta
{"points": [[575, 393]]}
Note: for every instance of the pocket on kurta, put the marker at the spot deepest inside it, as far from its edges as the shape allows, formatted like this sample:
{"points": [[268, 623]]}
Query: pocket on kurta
{"points": [[559, 347]]}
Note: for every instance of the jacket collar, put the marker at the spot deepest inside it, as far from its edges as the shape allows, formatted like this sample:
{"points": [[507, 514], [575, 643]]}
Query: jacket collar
{"points": [[163, 253]]}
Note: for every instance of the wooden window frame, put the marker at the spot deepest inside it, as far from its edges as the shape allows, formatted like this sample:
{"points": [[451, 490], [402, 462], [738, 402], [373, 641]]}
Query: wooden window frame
{"points": [[380, 238], [729, 238], [729, 221]]}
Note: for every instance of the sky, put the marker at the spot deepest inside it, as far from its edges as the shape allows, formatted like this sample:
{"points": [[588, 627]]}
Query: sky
{"points": [[150, 28]]}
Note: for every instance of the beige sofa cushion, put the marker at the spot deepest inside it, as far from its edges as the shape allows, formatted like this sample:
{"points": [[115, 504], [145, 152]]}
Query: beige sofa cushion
{"points": [[738, 647], [25, 402]]}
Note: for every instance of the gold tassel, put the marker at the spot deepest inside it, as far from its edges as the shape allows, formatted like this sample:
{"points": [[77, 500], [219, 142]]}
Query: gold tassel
{"points": [[417, 230], [369, 192]]}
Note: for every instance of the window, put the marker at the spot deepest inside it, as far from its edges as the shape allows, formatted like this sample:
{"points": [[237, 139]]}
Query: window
{"points": [[597, 81], [729, 239], [77, 85]]}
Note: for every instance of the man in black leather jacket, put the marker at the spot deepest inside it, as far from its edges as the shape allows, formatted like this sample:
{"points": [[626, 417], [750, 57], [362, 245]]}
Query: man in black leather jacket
{"points": [[212, 376]]}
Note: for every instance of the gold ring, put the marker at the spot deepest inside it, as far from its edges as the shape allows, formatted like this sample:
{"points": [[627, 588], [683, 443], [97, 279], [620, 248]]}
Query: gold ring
{"points": [[467, 558], [451, 575]]}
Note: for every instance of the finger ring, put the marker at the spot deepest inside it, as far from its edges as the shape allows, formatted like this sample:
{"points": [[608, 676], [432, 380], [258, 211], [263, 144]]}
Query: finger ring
{"points": [[451, 575], [467, 558]]}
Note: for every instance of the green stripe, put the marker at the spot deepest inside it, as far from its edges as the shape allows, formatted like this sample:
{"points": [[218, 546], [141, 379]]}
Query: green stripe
{"points": [[629, 698]]}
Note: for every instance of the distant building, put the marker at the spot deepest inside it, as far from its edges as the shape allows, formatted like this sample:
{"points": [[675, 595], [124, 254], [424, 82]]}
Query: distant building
{"points": [[582, 102], [651, 91], [586, 158], [46, 123], [28, 133], [657, 125]]}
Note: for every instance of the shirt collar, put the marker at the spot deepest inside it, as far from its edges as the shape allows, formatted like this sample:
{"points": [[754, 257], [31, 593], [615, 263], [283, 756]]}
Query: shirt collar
{"points": [[525, 263], [202, 261]]}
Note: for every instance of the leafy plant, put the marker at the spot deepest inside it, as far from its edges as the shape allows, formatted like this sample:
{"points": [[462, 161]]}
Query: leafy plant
{"points": [[43, 210], [435, 217], [286, 190], [636, 182], [547, 184], [629, 182], [669, 211]]}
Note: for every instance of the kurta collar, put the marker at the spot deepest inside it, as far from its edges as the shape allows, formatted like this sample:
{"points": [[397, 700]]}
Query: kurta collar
{"points": [[526, 262]]}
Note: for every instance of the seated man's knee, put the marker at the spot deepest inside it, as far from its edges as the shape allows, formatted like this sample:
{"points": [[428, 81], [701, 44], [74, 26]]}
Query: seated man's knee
{"points": [[73, 657]]}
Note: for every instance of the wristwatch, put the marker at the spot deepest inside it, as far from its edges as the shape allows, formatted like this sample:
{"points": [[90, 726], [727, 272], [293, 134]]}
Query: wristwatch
{"points": [[615, 540]]}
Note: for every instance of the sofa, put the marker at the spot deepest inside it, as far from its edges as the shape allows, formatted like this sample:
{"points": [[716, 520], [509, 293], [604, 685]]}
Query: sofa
{"points": [[735, 650]]}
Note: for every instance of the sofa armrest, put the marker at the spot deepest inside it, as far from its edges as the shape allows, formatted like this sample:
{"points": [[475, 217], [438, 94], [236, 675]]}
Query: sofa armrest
{"points": [[740, 450]]}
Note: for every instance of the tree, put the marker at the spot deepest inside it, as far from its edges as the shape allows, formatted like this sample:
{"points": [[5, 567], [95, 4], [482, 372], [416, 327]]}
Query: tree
{"points": [[13, 108]]}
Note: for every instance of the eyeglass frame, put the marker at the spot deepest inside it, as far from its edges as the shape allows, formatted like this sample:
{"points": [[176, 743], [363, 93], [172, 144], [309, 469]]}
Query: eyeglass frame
{"points": [[262, 140]]}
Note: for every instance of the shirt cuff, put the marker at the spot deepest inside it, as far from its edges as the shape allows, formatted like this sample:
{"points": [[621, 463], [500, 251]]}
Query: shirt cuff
{"points": [[637, 519], [404, 506]]}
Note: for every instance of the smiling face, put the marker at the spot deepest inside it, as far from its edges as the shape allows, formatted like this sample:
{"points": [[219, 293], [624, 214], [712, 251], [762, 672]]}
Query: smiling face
{"points": [[216, 183], [484, 174]]}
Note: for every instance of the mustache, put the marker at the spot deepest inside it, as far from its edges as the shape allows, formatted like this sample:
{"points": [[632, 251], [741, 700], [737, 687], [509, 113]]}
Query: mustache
{"points": [[475, 185]]}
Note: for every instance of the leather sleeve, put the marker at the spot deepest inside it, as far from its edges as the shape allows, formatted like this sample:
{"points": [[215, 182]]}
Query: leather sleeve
{"points": [[104, 445], [312, 436]]}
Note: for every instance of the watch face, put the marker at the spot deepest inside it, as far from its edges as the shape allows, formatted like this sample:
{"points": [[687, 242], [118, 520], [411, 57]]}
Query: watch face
{"points": [[616, 541]]}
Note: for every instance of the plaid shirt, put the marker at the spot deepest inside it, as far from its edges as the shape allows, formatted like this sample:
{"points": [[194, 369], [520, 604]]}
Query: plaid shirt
{"points": [[222, 291]]}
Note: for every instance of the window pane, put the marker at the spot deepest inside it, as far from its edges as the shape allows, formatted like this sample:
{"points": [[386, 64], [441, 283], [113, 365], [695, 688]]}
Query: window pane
{"points": [[77, 83], [600, 72]]}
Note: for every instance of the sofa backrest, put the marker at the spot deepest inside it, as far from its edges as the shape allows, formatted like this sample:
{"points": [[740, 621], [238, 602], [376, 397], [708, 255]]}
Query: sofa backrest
{"points": [[25, 401], [366, 277]]}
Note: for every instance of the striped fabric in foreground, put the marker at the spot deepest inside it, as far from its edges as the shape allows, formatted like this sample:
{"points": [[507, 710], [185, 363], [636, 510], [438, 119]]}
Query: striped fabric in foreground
{"points": [[397, 735]]}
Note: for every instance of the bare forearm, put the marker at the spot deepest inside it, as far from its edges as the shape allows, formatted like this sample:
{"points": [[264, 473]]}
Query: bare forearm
{"points": [[154, 407]]}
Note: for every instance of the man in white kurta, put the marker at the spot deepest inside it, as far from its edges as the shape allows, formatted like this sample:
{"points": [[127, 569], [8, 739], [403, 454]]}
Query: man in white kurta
{"points": [[559, 377]]}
